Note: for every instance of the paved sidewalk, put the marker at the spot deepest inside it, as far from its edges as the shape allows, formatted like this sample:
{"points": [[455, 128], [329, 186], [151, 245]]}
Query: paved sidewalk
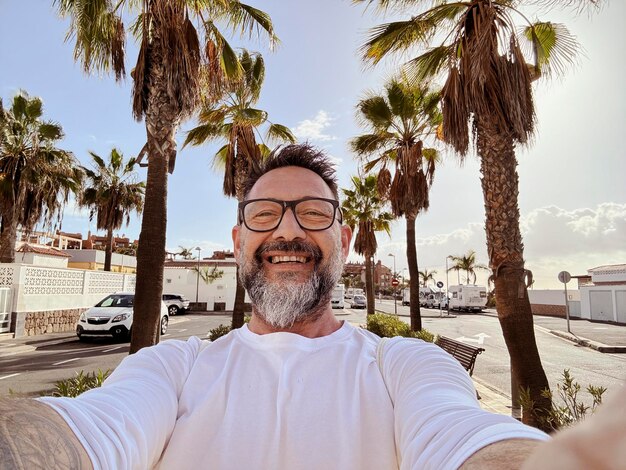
{"points": [[603, 337]]}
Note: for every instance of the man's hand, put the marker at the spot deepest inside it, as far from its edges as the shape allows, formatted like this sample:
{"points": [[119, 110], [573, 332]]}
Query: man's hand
{"points": [[34, 436]]}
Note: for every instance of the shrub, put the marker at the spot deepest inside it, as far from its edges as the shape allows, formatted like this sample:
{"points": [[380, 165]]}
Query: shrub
{"points": [[222, 330], [79, 384], [385, 325], [218, 331], [571, 410]]}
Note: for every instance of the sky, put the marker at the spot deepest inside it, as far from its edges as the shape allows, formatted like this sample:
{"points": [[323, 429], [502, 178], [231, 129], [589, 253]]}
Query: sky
{"points": [[572, 177]]}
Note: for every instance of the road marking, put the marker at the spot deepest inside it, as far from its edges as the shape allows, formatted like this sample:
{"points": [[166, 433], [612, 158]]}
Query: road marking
{"points": [[184, 329], [113, 349], [66, 361], [166, 334], [9, 376], [479, 340]]}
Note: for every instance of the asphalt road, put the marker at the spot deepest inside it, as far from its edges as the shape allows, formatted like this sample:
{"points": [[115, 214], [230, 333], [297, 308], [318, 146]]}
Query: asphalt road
{"points": [[31, 373]]}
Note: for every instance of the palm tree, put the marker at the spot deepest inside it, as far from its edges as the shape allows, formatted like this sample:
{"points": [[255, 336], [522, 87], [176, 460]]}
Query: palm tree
{"points": [[186, 253], [364, 210], [234, 120], [397, 122], [36, 177], [426, 276], [468, 264], [489, 63], [112, 193], [176, 60]]}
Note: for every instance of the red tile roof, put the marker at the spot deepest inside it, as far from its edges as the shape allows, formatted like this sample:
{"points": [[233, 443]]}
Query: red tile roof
{"points": [[42, 250]]}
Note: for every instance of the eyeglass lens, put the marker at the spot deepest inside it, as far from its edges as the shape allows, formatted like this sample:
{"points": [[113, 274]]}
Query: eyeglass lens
{"points": [[312, 214]]}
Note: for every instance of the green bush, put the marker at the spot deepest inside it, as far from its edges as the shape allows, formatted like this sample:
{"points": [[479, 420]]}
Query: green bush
{"points": [[385, 325], [218, 331], [570, 410], [79, 384], [222, 330]]}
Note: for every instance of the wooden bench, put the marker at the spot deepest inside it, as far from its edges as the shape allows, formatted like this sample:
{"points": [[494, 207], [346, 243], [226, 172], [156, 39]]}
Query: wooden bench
{"points": [[462, 352]]}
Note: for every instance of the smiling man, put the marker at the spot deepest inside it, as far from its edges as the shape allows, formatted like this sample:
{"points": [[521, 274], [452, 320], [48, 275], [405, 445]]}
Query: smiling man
{"points": [[294, 389]]}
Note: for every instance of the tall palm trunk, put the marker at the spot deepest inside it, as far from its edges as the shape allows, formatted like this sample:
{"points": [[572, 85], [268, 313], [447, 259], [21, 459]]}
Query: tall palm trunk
{"points": [[240, 302], [414, 287], [161, 123], [8, 235], [108, 253], [369, 284], [506, 259]]}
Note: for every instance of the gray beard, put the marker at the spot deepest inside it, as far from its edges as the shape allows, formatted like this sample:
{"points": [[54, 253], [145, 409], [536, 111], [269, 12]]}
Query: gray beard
{"points": [[285, 301]]}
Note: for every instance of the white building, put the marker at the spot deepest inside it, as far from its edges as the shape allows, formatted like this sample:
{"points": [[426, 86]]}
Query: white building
{"points": [[605, 297], [181, 277], [39, 255]]}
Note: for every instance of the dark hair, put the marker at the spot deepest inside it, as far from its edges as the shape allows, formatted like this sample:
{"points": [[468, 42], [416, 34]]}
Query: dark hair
{"points": [[301, 155]]}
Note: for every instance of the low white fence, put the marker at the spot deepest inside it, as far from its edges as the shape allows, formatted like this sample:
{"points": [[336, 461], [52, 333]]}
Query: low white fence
{"points": [[44, 289]]}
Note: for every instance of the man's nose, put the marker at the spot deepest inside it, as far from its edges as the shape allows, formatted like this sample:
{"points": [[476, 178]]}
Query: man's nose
{"points": [[289, 229]]}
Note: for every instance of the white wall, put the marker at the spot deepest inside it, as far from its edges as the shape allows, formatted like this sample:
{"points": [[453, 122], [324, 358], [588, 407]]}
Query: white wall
{"points": [[618, 307], [552, 296], [38, 259], [39, 288], [183, 281]]}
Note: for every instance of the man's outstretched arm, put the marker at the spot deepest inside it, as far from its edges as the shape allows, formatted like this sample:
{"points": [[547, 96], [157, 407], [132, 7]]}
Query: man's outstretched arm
{"points": [[33, 436], [511, 453]]}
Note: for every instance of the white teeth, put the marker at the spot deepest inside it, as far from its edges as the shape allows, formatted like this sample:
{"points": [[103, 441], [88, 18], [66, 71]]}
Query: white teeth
{"points": [[287, 259]]}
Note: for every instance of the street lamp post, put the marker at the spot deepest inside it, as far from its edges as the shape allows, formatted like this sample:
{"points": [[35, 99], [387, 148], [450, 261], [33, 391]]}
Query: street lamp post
{"points": [[447, 288], [395, 301], [198, 276]]}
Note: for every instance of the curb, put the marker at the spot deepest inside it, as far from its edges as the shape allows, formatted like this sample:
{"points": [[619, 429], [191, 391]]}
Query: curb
{"points": [[600, 347]]}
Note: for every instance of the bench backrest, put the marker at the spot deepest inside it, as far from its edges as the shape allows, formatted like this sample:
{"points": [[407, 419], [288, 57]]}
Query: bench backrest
{"points": [[462, 352]]}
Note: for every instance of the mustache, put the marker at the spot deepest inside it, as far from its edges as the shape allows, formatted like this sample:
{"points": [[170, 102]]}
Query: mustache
{"points": [[288, 247]]}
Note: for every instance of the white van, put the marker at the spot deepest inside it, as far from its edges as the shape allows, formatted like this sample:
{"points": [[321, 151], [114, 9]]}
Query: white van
{"points": [[337, 298], [467, 297]]}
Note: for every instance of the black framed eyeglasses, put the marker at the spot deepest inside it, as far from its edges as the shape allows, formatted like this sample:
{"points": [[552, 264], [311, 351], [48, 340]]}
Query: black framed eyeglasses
{"points": [[311, 213]]}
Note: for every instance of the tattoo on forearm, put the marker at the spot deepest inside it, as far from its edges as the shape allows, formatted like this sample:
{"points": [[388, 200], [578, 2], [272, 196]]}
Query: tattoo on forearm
{"points": [[34, 436]]}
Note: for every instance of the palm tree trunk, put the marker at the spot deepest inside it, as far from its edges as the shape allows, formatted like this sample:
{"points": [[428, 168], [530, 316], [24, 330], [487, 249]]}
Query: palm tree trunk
{"points": [[414, 288], [369, 284], [240, 302], [161, 123], [109, 250], [506, 259], [8, 235]]}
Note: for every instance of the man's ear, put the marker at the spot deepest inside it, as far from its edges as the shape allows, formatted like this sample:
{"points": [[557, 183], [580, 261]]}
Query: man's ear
{"points": [[346, 237], [236, 232]]}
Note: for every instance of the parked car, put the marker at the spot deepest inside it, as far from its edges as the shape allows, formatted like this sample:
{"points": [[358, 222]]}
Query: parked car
{"points": [[113, 316], [358, 301], [175, 304]]}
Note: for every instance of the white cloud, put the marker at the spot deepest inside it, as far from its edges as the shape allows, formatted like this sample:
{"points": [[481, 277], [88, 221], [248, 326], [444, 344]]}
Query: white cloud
{"points": [[555, 239], [314, 129]]}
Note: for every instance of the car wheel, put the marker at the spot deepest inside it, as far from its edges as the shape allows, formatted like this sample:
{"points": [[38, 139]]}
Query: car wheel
{"points": [[172, 310], [164, 322]]}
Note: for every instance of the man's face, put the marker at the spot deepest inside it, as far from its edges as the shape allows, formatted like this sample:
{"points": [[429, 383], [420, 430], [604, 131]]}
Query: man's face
{"points": [[290, 272]]}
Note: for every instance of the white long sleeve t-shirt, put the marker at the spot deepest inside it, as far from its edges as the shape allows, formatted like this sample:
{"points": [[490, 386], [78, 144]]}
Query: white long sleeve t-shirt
{"points": [[283, 401]]}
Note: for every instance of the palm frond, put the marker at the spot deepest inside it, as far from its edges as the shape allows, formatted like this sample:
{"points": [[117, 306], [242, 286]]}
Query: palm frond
{"points": [[393, 37], [251, 21], [428, 65], [277, 133], [552, 47], [376, 111], [367, 144]]}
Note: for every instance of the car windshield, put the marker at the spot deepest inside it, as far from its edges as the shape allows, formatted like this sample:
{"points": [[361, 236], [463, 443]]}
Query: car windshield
{"points": [[359, 297], [116, 300]]}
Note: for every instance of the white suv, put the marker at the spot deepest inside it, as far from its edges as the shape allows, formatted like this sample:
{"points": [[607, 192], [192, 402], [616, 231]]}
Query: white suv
{"points": [[175, 304], [113, 315]]}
